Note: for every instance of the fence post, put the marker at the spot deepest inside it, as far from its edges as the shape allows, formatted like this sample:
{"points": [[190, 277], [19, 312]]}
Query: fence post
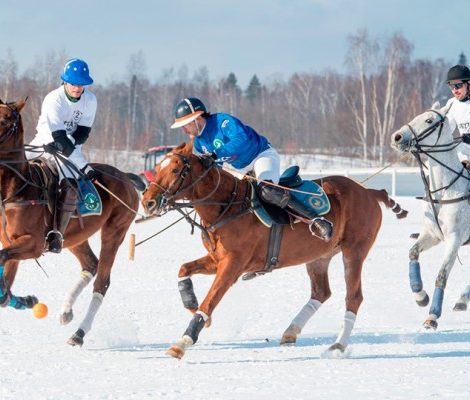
{"points": [[394, 182]]}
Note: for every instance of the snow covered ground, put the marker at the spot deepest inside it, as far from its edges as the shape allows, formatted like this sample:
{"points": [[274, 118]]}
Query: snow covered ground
{"points": [[239, 356]]}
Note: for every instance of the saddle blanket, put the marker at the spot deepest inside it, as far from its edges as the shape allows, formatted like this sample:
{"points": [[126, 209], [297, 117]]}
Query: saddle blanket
{"points": [[89, 200]]}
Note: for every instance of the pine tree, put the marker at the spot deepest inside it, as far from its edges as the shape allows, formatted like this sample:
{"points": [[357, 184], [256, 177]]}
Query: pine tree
{"points": [[253, 90], [462, 59]]}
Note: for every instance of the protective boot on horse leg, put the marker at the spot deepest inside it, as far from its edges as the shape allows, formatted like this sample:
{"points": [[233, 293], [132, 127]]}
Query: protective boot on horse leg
{"points": [[64, 209], [281, 197]]}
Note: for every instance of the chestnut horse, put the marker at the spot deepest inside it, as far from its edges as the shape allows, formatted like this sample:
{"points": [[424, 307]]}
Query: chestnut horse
{"points": [[26, 220], [237, 242]]}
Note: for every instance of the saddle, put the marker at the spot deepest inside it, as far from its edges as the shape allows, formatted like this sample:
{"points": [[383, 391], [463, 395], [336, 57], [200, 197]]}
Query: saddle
{"points": [[89, 201], [308, 194]]}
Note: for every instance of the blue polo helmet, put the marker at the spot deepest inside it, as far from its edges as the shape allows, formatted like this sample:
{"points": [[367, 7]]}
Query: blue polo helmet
{"points": [[76, 72]]}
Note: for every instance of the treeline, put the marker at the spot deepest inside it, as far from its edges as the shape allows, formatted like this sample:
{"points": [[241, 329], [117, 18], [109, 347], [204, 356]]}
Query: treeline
{"points": [[351, 114]]}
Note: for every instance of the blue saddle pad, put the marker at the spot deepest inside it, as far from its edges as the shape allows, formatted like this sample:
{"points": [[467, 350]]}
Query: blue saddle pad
{"points": [[308, 193], [89, 200], [312, 196]]}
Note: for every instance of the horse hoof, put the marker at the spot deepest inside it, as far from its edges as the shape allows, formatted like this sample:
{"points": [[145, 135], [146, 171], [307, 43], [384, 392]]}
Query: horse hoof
{"points": [[460, 307], [289, 336], [337, 347], [77, 338], [430, 324], [288, 340], [424, 301], [175, 352], [208, 323], [66, 317]]}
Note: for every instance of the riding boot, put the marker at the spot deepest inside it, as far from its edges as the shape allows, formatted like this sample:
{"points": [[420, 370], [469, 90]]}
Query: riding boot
{"points": [[273, 194], [66, 205], [322, 226]]}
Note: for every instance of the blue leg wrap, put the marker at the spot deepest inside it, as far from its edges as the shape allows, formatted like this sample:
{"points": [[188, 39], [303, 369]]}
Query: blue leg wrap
{"points": [[436, 305], [20, 303], [415, 277]]}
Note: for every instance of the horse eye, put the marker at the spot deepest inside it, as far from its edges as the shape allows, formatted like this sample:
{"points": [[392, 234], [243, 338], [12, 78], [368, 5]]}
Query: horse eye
{"points": [[175, 170], [429, 121]]}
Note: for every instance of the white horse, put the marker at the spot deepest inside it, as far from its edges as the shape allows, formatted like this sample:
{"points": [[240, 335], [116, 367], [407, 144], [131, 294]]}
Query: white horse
{"points": [[447, 208]]}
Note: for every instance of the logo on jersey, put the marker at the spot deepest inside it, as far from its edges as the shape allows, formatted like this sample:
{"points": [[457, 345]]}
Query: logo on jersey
{"points": [[224, 123], [218, 143]]}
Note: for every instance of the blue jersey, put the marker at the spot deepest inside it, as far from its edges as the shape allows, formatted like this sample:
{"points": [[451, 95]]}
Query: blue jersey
{"points": [[232, 141]]}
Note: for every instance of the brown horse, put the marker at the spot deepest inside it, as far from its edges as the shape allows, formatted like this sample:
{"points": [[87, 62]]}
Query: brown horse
{"points": [[237, 242], [26, 220]]}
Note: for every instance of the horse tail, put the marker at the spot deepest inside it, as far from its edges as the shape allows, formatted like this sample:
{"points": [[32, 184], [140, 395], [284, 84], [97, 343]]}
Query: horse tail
{"points": [[383, 197]]}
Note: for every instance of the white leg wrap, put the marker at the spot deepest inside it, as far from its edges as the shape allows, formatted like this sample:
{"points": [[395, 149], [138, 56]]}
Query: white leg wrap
{"points": [[85, 279], [306, 313], [183, 278], [348, 325], [93, 308]]}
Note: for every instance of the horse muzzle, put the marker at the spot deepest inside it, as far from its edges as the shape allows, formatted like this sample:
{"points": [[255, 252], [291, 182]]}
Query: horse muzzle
{"points": [[401, 141], [154, 206]]}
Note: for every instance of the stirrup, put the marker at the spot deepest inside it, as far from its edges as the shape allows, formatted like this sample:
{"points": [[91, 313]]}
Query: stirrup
{"points": [[323, 226], [54, 239]]}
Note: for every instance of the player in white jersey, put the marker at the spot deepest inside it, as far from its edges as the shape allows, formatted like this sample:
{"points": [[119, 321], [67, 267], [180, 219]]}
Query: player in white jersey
{"points": [[458, 80], [67, 114]]}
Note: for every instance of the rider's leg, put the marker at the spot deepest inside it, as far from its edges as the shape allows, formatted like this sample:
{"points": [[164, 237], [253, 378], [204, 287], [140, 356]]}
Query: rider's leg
{"points": [[64, 209], [267, 169]]}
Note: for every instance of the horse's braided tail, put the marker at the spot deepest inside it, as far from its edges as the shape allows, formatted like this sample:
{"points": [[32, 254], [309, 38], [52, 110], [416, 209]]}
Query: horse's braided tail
{"points": [[383, 197]]}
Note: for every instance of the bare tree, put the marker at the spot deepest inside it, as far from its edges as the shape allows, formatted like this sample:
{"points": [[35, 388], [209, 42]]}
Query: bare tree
{"points": [[360, 58]]}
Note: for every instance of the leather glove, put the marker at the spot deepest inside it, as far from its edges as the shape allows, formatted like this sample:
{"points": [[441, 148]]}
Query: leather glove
{"points": [[208, 160], [51, 148], [91, 173], [466, 138]]}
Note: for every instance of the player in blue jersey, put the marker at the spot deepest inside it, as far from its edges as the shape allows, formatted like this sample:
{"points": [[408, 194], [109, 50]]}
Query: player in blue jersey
{"points": [[223, 138]]}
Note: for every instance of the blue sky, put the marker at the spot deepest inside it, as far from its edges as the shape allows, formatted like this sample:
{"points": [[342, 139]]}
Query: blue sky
{"points": [[272, 38]]}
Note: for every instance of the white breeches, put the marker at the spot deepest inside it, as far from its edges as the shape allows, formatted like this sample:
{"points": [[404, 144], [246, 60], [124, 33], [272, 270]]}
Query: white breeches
{"points": [[266, 166], [77, 158]]}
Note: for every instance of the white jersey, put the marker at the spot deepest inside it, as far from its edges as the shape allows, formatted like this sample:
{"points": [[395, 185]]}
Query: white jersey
{"points": [[59, 113], [459, 117]]}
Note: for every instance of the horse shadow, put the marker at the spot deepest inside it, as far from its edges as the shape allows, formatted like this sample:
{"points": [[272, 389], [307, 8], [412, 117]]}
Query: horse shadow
{"points": [[361, 338]]}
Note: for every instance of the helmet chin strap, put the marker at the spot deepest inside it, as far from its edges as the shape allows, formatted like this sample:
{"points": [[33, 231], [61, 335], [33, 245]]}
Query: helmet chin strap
{"points": [[199, 129]]}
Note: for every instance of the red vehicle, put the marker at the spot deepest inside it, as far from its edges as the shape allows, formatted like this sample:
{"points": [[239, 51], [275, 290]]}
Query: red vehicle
{"points": [[152, 157]]}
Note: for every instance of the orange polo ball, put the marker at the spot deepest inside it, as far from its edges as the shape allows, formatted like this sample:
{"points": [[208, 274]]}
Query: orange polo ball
{"points": [[40, 310]]}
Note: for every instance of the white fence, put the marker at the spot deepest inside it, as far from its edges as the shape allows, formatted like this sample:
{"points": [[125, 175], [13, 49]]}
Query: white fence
{"points": [[398, 181]]}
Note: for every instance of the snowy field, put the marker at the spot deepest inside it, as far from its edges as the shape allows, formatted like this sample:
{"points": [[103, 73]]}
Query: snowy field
{"points": [[239, 356]]}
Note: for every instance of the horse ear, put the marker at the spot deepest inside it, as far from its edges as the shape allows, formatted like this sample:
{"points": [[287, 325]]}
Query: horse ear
{"points": [[180, 146], [20, 104], [436, 105]]}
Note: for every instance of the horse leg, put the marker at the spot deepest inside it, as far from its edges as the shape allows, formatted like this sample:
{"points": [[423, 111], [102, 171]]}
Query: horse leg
{"points": [[112, 235], [204, 265], [224, 278], [450, 254], [424, 242], [319, 292], [88, 263], [462, 302], [21, 248], [353, 259]]}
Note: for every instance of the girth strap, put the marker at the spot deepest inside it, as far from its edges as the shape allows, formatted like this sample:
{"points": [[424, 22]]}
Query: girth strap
{"points": [[272, 259]]}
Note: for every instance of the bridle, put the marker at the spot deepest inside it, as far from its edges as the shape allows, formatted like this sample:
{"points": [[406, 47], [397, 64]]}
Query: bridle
{"points": [[427, 150], [176, 188]]}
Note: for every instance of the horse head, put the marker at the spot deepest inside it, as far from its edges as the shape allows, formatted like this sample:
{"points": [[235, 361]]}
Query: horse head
{"points": [[175, 175], [11, 126], [426, 131]]}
